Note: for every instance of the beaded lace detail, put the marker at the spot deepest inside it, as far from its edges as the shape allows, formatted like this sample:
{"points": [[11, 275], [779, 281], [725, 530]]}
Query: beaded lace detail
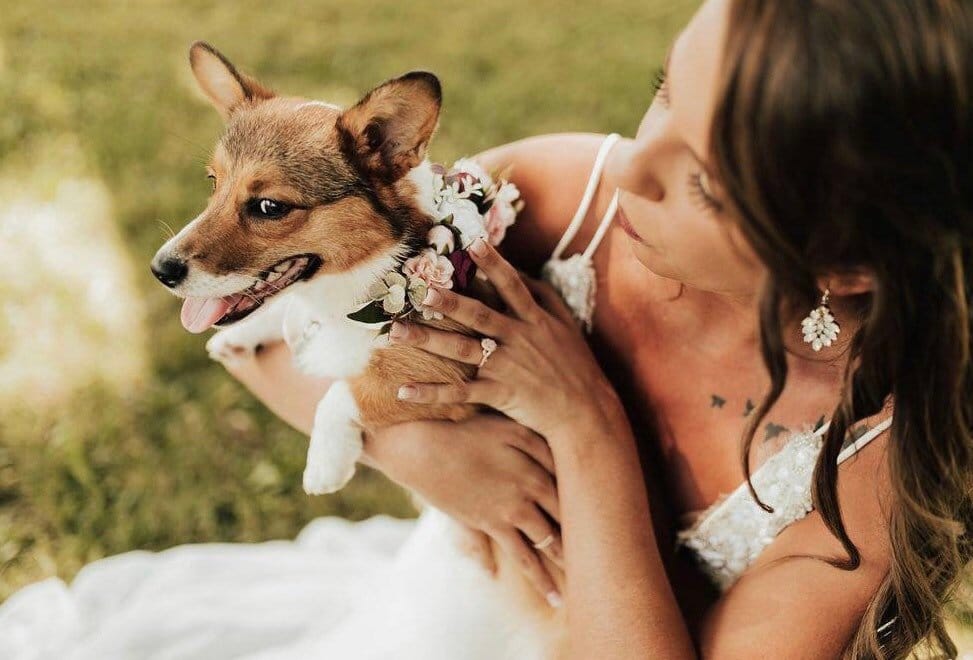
{"points": [[574, 279], [729, 535]]}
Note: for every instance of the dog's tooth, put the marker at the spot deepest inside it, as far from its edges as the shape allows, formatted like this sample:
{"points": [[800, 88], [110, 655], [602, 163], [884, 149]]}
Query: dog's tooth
{"points": [[273, 276], [260, 286], [281, 268]]}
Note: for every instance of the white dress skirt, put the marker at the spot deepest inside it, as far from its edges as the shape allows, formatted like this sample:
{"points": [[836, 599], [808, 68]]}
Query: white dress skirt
{"points": [[382, 588]]}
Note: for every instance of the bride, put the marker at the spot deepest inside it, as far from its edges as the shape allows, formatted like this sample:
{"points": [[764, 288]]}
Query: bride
{"points": [[787, 260]]}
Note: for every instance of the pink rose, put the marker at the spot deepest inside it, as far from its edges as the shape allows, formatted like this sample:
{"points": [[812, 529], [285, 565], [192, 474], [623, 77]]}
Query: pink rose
{"points": [[502, 213], [500, 216], [441, 238], [433, 269]]}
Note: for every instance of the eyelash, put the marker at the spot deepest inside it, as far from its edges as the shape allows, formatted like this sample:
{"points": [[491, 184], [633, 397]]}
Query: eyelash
{"points": [[659, 88], [705, 201]]}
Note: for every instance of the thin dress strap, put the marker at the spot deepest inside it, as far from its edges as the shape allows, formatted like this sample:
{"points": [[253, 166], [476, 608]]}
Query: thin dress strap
{"points": [[589, 195], [859, 443]]}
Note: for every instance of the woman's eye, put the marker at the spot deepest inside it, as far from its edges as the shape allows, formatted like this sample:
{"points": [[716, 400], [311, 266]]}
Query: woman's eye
{"points": [[268, 209], [700, 188], [659, 86]]}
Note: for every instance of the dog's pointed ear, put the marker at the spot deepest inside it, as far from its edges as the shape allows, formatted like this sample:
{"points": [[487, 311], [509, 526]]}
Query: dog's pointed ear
{"points": [[388, 131], [225, 87]]}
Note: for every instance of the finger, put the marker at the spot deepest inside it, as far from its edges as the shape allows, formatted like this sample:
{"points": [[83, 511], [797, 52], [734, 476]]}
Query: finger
{"points": [[542, 534], [470, 312], [513, 544], [476, 391], [534, 446], [542, 488], [451, 345], [476, 544], [505, 278], [549, 299]]}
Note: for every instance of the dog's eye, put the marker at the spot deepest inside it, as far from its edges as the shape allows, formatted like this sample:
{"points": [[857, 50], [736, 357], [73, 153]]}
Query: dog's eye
{"points": [[212, 177], [268, 209]]}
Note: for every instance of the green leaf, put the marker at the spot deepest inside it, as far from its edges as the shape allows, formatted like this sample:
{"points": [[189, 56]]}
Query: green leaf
{"points": [[373, 312]]}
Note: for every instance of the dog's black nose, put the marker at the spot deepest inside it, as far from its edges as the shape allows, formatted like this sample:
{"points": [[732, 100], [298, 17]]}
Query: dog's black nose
{"points": [[170, 271]]}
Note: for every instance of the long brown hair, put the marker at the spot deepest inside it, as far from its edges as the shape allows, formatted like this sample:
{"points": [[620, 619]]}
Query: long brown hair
{"points": [[844, 137]]}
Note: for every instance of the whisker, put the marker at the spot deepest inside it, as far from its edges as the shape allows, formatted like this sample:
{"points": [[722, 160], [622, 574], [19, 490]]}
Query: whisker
{"points": [[165, 224]]}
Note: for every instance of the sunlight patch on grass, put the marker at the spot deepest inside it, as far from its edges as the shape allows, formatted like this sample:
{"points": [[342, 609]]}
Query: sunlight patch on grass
{"points": [[71, 313]]}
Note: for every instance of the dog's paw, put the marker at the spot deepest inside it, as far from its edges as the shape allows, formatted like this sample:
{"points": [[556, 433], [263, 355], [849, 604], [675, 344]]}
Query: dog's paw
{"points": [[228, 346], [323, 477], [331, 458]]}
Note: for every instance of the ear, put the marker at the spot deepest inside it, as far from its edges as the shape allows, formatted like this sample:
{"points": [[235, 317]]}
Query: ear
{"points": [[226, 87], [851, 282], [389, 130]]}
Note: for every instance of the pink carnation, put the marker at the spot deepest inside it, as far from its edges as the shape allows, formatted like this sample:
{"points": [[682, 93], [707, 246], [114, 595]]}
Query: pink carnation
{"points": [[500, 216], [502, 213], [433, 269]]}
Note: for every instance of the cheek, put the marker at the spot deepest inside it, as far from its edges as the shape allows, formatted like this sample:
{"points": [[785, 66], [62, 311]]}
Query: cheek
{"points": [[344, 234], [698, 250]]}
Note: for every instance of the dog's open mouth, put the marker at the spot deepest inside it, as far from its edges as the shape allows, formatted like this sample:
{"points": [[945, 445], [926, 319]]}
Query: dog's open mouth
{"points": [[199, 314]]}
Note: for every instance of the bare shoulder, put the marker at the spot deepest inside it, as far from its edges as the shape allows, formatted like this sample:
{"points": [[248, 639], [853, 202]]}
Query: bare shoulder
{"points": [[816, 606], [551, 172]]}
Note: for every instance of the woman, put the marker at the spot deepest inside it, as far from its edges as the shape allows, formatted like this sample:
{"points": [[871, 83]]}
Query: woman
{"points": [[797, 156], [796, 153]]}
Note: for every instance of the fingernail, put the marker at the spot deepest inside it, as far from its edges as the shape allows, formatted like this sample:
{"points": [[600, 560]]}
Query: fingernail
{"points": [[479, 247], [407, 392], [433, 297], [554, 600], [398, 331]]}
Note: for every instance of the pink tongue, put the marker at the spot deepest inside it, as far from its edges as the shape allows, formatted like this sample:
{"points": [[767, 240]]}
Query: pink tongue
{"points": [[200, 313]]}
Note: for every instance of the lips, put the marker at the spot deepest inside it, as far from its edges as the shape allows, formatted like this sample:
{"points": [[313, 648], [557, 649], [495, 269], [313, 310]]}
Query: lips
{"points": [[199, 314], [627, 226]]}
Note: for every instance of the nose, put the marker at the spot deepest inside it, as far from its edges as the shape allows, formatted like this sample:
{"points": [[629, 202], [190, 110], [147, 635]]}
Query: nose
{"points": [[169, 271], [634, 168]]}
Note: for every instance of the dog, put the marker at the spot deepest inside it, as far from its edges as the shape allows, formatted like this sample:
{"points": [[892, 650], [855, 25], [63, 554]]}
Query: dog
{"points": [[311, 205]]}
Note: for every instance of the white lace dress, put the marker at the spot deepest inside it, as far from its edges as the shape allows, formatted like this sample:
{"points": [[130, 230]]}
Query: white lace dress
{"points": [[382, 588]]}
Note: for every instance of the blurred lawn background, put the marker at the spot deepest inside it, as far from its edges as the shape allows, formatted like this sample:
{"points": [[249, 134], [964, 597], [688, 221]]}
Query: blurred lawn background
{"points": [[116, 431]]}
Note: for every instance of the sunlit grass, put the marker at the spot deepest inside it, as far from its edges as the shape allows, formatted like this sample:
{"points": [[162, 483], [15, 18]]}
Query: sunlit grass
{"points": [[116, 432]]}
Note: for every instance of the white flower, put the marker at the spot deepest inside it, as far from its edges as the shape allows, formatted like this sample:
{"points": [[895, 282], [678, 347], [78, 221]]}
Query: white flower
{"points": [[391, 291], [450, 193], [441, 239], [470, 166], [508, 192], [466, 218]]}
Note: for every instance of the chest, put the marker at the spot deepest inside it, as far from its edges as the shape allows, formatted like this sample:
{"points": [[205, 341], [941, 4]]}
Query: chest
{"points": [[690, 396]]}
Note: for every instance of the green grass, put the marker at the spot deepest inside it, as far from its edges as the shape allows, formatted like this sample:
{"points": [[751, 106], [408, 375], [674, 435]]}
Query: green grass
{"points": [[124, 436]]}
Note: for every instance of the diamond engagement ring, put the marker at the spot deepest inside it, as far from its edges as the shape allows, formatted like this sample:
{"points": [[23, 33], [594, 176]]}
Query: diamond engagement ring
{"points": [[488, 346], [546, 543]]}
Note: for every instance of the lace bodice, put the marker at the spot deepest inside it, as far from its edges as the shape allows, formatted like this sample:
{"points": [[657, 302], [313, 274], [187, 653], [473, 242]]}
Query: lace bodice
{"points": [[729, 535]]}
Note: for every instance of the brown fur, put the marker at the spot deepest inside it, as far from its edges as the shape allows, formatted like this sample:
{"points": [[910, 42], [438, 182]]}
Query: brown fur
{"points": [[343, 174]]}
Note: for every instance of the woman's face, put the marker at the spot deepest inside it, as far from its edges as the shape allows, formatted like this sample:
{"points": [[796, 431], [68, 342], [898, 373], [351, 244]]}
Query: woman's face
{"points": [[671, 205]]}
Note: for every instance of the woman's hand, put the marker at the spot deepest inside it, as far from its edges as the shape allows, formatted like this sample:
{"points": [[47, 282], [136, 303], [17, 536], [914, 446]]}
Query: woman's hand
{"points": [[542, 375], [488, 472]]}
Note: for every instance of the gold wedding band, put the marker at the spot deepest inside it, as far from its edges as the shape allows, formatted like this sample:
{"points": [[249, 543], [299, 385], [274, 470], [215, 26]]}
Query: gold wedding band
{"points": [[546, 543], [488, 346]]}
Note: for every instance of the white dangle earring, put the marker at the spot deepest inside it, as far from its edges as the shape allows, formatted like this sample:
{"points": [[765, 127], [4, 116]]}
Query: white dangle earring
{"points": [[819, 327]]}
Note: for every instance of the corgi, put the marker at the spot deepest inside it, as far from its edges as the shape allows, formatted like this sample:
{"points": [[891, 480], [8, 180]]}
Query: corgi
{"points": [[311, 205]]}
